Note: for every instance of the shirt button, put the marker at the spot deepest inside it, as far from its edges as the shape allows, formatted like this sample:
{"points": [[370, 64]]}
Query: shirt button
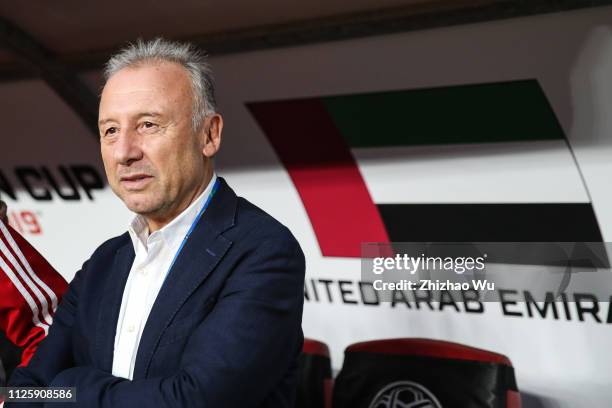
{"points": [[131, 328]]}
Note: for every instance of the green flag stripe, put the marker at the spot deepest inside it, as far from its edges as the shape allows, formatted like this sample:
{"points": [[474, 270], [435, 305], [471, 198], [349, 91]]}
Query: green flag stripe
{"points": [[481, 113]]}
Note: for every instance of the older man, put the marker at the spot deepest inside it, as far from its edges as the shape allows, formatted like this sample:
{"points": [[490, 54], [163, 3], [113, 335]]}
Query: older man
{"points": [[199, 304]]}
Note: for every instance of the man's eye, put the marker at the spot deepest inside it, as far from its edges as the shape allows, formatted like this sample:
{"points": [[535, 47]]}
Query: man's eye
{"points": [[148, 125], [110, 131]]}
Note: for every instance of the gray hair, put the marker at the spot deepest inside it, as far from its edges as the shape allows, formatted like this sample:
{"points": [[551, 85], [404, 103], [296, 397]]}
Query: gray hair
{"points": [[184, 54]]}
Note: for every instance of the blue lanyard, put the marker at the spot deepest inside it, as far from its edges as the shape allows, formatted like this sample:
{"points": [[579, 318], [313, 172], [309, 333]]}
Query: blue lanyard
{"points": [[195, 222]]}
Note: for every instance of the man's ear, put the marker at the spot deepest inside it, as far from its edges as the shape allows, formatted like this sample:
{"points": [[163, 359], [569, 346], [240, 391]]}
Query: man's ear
{"points": [[212, 138]]}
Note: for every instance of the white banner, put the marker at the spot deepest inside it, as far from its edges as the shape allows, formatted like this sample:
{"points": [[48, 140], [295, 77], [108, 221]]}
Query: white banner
{"points": [[50, 175]]}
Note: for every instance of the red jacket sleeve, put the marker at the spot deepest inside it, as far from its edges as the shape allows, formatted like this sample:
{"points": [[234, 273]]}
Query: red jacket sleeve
{"points": [[30, 290]]}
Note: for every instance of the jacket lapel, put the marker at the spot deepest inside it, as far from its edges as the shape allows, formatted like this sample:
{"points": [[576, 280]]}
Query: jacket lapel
{"points": [[199, 257], [111, 304]]}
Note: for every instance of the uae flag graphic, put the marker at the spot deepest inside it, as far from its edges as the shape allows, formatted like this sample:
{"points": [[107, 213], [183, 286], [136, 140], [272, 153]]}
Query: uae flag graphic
{"points": [[470, 163]]}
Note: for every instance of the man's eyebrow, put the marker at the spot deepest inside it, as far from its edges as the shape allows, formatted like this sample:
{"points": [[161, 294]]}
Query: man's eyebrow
{"points": [[152, 114], [103, 121], [138, 116]]}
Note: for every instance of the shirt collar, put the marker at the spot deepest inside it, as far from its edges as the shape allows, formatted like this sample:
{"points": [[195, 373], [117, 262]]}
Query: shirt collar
{"points": [[173, 232]]}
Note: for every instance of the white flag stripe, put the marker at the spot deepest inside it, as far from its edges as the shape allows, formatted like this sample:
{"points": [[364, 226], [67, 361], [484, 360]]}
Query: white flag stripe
{"points": [[41, 298], [28, 267], [29, 300], [514, 172]]}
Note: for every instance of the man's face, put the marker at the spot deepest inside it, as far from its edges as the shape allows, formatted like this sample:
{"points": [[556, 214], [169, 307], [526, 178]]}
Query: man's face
{"points": [[153, 158]]}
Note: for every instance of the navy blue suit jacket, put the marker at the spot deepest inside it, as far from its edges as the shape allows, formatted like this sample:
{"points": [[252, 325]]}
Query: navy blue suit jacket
{"points": [[224, 331]]}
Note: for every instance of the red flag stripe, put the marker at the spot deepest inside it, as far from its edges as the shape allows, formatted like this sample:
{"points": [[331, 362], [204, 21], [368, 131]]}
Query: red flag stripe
{"points": [[325, 174]]}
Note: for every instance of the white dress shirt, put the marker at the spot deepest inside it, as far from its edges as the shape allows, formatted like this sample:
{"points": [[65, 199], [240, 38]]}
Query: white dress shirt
{"points": [[154, 256]]}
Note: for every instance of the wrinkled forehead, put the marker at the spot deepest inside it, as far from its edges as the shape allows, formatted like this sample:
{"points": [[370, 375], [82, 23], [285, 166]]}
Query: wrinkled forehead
{"points": [[162, 85]]}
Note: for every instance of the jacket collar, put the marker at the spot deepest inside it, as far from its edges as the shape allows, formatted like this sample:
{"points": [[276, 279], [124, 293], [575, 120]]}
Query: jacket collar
{"points": [[172, 233], [198, 258]]}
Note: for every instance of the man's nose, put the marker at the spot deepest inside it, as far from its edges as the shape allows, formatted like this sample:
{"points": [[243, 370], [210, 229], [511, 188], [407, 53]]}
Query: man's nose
{"points": [[128, 147]]}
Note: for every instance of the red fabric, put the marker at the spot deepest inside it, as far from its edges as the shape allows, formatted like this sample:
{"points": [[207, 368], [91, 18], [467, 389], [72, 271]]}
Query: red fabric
{"points": [[513, 399], [30, 290], [328, 389], [315, 347], [428, 348]]}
